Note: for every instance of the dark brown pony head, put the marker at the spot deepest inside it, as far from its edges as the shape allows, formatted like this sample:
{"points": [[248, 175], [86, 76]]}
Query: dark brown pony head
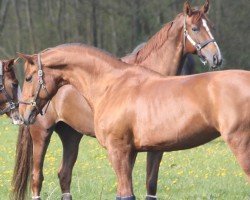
{"points": [[9, 91], [198, 37], [36, 93]]}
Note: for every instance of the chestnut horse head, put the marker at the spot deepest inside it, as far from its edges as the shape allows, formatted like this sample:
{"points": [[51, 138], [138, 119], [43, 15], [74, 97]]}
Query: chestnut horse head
{"points": [[35, 97], [198, 37], [188, 33], [9, 91]]}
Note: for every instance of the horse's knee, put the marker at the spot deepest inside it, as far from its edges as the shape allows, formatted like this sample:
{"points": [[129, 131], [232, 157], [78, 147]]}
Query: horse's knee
{"points": [[62, 176]]}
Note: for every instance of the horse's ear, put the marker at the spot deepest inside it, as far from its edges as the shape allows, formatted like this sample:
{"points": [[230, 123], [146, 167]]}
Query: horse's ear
{"points": [[187, 9], [26, 57], [8, 64], [205, 7]]}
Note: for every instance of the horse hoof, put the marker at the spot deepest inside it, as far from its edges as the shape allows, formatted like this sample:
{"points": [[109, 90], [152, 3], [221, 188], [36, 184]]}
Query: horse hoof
{"points": [[151, 197], [66, 196], [126, 198]]}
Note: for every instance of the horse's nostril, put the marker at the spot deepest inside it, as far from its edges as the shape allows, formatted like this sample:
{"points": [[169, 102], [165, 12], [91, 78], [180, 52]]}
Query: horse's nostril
{"points": [[215, 59]]}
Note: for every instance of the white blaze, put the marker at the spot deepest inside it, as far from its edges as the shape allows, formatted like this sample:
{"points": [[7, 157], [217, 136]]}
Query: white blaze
{"points": [[204, 23]]}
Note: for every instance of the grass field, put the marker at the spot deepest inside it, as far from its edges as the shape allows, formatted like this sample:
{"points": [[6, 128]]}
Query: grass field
{"points": [[208, 172]]}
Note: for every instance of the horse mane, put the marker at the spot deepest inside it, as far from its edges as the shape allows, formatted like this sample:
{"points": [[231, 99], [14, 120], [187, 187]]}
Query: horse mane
{"points": [[155, 42], [84, 46], [83, 49]]}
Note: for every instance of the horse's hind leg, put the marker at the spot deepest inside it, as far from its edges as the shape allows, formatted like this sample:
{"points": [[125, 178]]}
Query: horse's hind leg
{"points": [[240, 145], [70, 140], [40, 138], [153, 164]]}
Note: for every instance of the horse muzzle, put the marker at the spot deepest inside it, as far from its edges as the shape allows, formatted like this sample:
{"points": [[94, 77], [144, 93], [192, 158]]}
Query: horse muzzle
{"points": [[29, 116]]}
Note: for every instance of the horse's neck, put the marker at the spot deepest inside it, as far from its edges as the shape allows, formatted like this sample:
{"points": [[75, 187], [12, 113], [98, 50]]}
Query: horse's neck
{"points": [[91, 79], [169, 58]]}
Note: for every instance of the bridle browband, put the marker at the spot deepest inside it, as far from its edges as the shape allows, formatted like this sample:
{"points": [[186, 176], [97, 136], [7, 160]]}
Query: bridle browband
{"points": [[11, 104], [40, 86], [198, 46]]}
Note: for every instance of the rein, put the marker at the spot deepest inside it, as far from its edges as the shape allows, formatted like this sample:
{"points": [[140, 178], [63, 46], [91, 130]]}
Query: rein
{"points": [[40, 86], [11, 104], [198, 46]]}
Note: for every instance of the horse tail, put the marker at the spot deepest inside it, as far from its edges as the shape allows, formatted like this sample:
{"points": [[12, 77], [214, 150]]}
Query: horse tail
{"points": [[23, 164]]}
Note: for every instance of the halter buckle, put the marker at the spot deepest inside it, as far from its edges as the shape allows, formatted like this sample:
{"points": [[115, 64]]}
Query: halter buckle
{"points": [[40, 73], [33, 103], [198, 47], [40, 81], [12, 105], [185, 32]]}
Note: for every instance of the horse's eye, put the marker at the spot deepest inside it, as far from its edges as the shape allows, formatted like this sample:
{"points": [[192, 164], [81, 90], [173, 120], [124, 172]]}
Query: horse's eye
{"points": [[28, 79], [14, 85], [195, 29]]}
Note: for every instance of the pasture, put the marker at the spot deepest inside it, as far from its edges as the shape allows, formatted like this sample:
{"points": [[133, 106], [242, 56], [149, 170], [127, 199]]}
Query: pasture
{"points": [[207, 172]]}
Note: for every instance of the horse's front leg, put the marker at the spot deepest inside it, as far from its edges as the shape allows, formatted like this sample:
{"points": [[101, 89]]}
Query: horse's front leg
{"points": [[41, 138], [153, 165], [122, 158], [70, 140]]}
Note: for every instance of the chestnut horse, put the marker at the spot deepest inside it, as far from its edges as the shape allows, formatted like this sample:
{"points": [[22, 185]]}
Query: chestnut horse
{"points": [[9, 91], [150, 112], [169, 36]]}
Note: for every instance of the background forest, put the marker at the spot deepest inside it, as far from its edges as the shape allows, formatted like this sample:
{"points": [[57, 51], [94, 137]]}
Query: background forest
{"points": [[117, 26]]}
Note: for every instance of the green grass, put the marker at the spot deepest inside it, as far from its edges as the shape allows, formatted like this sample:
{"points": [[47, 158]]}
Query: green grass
{"points": [[208, 172]]}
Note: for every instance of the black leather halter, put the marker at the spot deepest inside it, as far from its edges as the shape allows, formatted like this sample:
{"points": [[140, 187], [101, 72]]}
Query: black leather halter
{"points": [[11, 103], [41, 85]]}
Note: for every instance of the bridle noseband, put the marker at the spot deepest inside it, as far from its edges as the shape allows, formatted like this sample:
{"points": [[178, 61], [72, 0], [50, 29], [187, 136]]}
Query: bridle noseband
{"points": [[198, 46], [40, 86], [11, 104]]}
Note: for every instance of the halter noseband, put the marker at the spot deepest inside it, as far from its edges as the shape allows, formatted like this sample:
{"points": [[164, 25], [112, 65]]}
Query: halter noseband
{"points": [[40, 86], [11, 104], [198, 46]]}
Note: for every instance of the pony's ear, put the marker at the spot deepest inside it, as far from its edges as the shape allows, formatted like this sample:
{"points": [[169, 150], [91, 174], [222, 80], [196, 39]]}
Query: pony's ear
{"points": [[26, 57], [205, 7], [187, 9], [8, 64]]}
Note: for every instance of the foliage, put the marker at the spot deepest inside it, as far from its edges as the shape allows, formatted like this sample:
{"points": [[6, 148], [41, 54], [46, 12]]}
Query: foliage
{"points": [[117, 26]]}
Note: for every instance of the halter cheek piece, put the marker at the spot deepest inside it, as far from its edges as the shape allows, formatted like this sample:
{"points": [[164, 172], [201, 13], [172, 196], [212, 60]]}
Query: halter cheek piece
{"points": [[40, 86], [11, 104], [198, 46]]}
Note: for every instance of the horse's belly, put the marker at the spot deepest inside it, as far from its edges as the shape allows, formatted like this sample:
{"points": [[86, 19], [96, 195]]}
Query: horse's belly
{"points": [[175, 139]]}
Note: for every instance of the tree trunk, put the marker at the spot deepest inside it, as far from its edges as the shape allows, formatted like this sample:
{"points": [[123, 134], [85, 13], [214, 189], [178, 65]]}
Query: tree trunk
{"points": [[94, 22], [3, 14], [30, 26]]}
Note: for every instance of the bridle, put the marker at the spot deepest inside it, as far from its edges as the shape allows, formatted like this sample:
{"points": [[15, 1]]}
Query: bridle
{"points": [[198, 46], [41, 85], [11, 103]]}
